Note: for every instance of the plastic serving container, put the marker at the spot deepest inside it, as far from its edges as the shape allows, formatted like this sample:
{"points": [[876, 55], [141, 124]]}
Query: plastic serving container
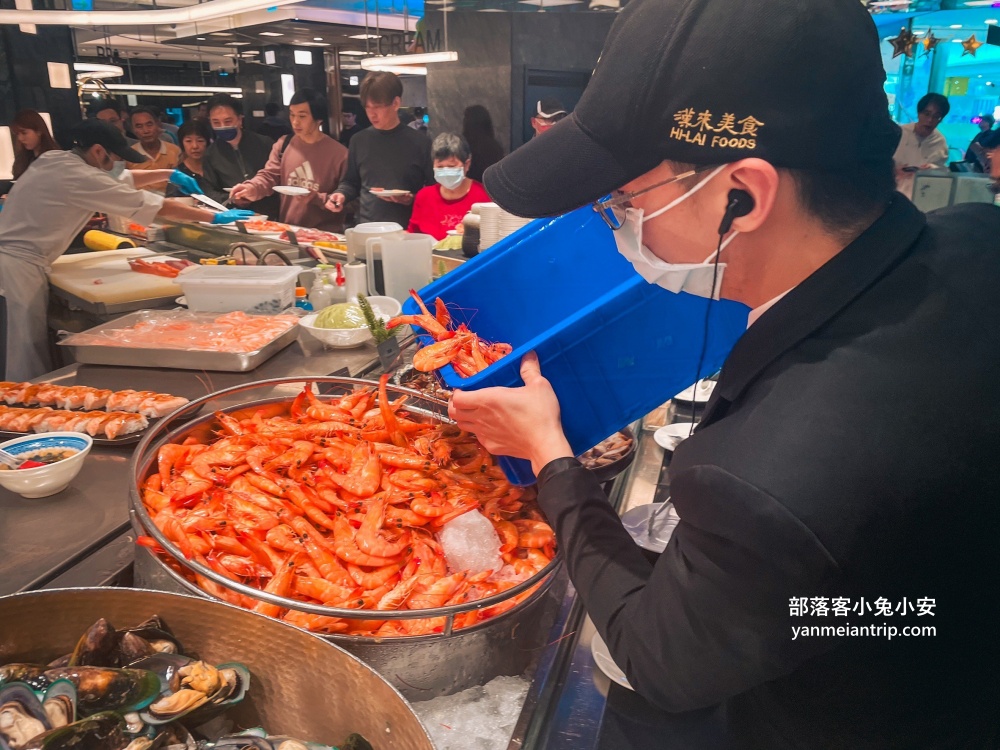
{"points": [[260, 290], [613, 346]]}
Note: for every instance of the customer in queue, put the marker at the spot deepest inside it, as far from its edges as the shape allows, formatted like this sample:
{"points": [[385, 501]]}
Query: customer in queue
{"points": [[547, 113], [349, 121], [921, 145], [440, 208], [274, 125], [158, 153], [236, 154], [31, 139], [113, 113], [477, 129], [195, 137], [386, 156], [831, 484], [974, 153], [308, 159], [48, 207]]}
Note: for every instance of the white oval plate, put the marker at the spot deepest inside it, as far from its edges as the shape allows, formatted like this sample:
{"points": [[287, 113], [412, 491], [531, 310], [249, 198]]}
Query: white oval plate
{"points": [[700, 392], [390, 193], [672, 435], [602, 657], [291, 190]]}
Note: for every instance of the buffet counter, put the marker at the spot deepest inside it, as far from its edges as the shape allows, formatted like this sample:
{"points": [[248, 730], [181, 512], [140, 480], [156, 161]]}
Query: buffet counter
{"points": [[43, 541], [82, 537]]}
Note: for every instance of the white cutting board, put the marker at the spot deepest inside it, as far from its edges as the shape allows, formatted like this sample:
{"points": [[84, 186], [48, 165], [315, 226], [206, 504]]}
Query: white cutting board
{"points": [[105, 276]]}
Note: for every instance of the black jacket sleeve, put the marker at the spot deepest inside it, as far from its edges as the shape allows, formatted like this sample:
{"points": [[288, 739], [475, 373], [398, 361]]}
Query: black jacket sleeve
{"points": [[711, 619]]}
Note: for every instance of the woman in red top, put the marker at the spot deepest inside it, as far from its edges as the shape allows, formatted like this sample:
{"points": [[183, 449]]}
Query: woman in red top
{"points": [[441, 207]]}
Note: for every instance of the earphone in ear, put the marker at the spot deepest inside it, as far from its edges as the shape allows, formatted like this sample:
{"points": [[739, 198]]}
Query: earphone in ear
{"points": [[740, 204]]}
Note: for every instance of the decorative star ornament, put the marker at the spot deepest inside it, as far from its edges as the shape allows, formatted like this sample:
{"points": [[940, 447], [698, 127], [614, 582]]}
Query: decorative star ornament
{"points": [[971, 46], [930, 42], [903, 44]]}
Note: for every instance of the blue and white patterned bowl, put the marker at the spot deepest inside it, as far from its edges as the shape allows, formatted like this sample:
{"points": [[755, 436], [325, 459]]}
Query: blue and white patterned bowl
{"points": [[45, 480]]}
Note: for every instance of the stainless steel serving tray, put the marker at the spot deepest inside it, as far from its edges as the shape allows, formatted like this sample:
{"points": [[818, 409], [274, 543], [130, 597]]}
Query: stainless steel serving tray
{"points": [[178, 359]]}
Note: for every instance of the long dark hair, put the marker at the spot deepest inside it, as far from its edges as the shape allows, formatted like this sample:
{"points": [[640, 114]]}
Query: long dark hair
{"points": [[477, 128], [477, 125], [29, 119]]}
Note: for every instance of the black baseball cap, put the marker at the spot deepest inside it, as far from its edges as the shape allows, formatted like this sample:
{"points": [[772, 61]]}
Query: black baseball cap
{"points": [[549, 108], [98, 133], [798, 83]]}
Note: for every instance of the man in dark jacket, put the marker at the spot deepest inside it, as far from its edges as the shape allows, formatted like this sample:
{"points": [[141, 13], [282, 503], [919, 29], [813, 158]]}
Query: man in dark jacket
{"points": [[831, 581], [236, 155]]}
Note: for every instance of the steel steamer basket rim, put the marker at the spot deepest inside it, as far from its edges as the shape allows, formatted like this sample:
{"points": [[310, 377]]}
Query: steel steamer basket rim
{"points": [[145, 456]]}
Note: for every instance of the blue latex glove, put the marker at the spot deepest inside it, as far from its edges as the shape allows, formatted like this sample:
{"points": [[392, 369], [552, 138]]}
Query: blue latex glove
{"points": [[233, 214], [188, 184]]}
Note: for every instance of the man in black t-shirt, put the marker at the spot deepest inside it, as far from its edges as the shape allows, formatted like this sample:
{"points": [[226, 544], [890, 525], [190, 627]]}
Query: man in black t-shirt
{"points": [[388, 162]]}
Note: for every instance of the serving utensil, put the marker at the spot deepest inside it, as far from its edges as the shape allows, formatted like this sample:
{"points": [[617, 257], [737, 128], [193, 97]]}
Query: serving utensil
{"points": [[209, 202]]}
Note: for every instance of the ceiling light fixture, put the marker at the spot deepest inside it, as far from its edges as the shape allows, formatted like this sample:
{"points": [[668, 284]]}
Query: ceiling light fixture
{"points": [[365, 36], [353, 53], [396, 61], [317, 39], [183, 15], [143, 87], [98, 70], [237, 44], [270, 33]]}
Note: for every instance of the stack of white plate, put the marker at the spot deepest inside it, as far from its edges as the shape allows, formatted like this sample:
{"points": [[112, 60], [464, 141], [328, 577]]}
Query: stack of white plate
{"points": [[509, 223], [489, 223]]}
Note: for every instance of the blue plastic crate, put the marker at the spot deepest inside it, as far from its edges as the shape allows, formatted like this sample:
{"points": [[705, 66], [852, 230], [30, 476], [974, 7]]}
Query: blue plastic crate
{"points": [[613, 346]]}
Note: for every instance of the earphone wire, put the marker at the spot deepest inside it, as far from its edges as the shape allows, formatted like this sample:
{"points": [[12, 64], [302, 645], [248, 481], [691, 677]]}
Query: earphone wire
{"points": [[704, 338]]}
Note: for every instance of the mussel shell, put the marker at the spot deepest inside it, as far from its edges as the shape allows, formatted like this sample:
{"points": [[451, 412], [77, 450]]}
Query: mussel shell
{"points": [[106, 689], [164, 666], [59, 703], [355, 741], [217, 703], [102, 731], [22, 699], [96, 647], [158, 634], [30, 674], [132, 647], [242, 742]]}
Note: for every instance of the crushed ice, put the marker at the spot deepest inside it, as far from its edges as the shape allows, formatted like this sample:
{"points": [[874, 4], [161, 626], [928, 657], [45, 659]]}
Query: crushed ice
{"points": [[480, 718], [471, 543]]}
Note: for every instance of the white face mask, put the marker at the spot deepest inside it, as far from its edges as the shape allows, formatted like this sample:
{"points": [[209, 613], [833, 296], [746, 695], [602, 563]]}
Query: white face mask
{"points": [[117, 168], [449, 177], [693, 278]]}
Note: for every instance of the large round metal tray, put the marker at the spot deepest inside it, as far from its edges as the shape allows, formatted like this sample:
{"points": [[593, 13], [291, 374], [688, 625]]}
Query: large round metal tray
{"points": [[301, 686], [421, 666]]}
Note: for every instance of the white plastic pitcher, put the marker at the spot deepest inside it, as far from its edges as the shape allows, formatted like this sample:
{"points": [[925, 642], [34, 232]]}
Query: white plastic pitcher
{"points": [[406, 263], [357, 236]]}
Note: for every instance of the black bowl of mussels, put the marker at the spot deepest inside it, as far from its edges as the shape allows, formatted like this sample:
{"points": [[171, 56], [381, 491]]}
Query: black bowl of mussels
{"points": [[71, 682]]}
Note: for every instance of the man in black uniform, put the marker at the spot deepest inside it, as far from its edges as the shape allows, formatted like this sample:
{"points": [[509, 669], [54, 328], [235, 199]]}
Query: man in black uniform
{"points": [[844, 475]]}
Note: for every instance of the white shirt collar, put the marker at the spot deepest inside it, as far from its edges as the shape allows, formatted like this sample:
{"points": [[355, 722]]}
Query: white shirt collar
{"points": [[758, 311]]}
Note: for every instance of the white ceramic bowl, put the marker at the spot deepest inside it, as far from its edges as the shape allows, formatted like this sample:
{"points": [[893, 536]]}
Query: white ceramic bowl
{"points": [[45, 480], [345, 338]]}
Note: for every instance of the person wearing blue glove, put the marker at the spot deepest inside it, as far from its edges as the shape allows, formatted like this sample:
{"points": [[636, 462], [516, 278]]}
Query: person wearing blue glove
{"points": [[233, 214], [187, 184], [49, 206]]}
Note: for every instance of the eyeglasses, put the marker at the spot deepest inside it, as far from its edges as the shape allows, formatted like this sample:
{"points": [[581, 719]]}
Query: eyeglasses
{"points": [[612, 208]]}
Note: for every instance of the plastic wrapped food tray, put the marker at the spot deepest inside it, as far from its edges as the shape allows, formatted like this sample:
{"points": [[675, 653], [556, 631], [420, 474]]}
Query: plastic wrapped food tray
{"points": [[87, 349]]}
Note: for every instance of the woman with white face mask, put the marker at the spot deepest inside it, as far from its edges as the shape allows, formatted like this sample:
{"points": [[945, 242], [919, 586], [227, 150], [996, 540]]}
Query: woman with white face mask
{"points": [[440, 207]]}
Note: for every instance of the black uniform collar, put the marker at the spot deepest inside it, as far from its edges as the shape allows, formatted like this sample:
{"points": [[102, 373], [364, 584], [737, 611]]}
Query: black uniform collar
{"points": [[819, 298]]}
